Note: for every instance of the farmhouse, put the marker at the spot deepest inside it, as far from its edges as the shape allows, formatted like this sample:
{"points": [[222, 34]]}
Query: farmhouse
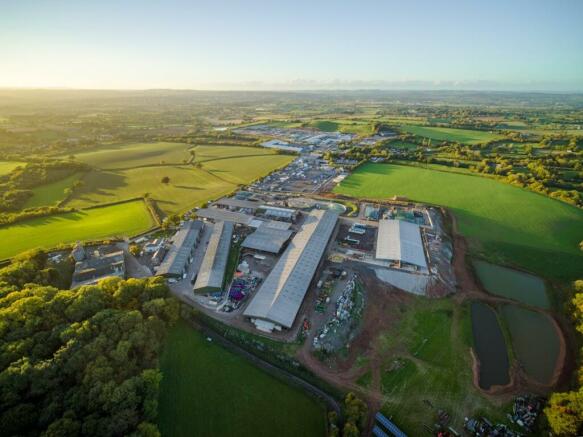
{"points": [[277, 302], [212, 270], [181, 250], [400, 241], [267, 239], [97, 265]]}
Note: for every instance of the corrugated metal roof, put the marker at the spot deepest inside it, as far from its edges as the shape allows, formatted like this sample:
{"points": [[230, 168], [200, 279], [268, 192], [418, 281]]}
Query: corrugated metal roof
{"points": [[267, 239], [212, 269], [238, 203], [399, 240], [283, 291], [182, 244]]}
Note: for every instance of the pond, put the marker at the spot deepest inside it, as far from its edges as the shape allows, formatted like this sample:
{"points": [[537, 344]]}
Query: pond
{"points": [[535, 341], [490, 346], [513, 284]]}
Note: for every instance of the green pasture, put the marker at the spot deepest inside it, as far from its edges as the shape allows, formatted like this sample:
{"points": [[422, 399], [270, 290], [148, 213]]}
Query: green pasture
{"points": [[505, 224], [219, 170], [50, 194], [429, 362], [7, 166], [466, 136], [358, 127], [135, 155], [124, 219], [209, 391]]}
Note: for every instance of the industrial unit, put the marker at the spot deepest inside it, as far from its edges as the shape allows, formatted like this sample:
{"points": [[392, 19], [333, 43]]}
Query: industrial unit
{"points": [[267, 239], [92, 266], [212, 270], [278, 301], [400, 241], [181, 250]]}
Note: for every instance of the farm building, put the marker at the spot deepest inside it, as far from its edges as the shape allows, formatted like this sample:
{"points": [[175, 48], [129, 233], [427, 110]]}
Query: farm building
{"points": [[212, 270], [267, 239], [277, 302], [218, 214], [180, 253], [279, 213], [97, 265], [234, 203], [400, 241]]}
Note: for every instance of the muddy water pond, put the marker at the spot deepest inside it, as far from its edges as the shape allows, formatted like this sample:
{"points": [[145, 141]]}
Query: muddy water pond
{"points": [[490, 346], [535, 341], [513, 284]]}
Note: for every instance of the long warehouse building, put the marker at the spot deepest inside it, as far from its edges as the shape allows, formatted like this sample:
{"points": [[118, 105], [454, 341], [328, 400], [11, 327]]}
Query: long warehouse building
{"points": [[212, 269], [277, 302], [181, 251], [400, 241]]}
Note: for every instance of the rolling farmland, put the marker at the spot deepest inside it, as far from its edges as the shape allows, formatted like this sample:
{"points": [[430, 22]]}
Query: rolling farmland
{"points": [[50, 194], [466, 136], [98, 223], [218, 171], [506, 224], [7, 166]]}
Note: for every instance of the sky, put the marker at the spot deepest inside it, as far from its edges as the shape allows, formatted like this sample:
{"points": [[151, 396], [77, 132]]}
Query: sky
{"points": [[293, 44]]}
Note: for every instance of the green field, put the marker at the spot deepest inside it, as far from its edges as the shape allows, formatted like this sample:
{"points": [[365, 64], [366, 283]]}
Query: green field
{"points": [[109, 221], [222, 169], [346, 126], [507, 225], [135, 155], [50, 194], [209, 391], [466, 136], [430, 361], [7, 166]]}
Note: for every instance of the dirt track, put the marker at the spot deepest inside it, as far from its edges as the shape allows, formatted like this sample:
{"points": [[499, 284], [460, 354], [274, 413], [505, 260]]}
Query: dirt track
{"points": [[382, 312]]}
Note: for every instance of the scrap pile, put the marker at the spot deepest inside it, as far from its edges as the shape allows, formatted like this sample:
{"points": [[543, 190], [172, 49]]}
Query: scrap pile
{"points": [[525, 411], [240, 288], [482, 427], [335, 332], [524, 414]]}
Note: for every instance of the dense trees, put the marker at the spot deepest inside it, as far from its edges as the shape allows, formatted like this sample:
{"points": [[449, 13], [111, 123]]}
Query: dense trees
{"points": [[79, 362], [15, 187], [565, 410]]}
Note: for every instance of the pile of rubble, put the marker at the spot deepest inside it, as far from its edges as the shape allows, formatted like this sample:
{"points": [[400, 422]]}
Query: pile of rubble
{"points": [[525, 411]]}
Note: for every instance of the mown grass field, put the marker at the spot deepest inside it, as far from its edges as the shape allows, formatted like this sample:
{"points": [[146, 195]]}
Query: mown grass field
{"points": [[346, 126], [99, 223], [7, 166], [209, 391], [505, 224], [430, 361], [222, 169], [466, 136], [135, 155], [50, 194]]}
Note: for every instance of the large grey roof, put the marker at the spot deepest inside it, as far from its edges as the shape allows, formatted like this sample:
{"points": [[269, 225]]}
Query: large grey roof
{"points": [[182, 244], [400, 241], [238, 203], [267, 239], [283, 291], [212, 269], [224, 215]]}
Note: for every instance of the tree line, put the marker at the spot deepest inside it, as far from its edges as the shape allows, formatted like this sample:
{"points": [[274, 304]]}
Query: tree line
{"points": [[83, 361]]}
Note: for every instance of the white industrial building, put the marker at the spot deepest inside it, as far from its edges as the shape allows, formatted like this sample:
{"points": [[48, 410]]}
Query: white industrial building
{"points": [[277, 302], [400, 241]]}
